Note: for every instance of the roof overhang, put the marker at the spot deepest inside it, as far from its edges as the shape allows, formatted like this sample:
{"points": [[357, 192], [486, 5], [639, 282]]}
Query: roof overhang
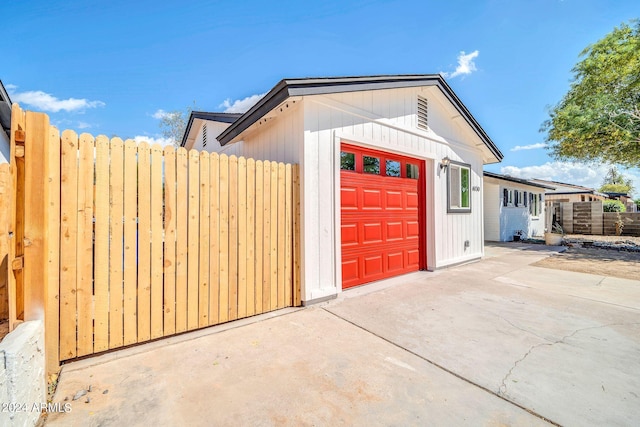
{"points": [[318, 86], [5, 110], [516, 180]]}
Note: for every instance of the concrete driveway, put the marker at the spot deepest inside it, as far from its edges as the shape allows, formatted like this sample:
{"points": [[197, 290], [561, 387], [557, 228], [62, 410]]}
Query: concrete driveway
{"points": [[497, 342]]}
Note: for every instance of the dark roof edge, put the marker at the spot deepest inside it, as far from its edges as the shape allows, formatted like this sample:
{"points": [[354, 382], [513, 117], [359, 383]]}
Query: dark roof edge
{"points": [[5, 110], [216, 117], [317, 86], [516, 180]]}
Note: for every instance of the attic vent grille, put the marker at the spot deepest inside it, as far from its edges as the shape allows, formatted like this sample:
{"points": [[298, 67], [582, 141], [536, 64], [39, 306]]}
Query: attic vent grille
{"points": [[423, 113], [204, 135]]}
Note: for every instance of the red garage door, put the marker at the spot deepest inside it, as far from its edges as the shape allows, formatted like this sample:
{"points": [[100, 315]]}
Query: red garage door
{"points": [[381, 215]]}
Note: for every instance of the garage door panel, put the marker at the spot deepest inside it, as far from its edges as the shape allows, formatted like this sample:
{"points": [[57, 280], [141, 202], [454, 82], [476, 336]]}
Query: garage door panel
{"points": [[395, 231], [373, 265], [372, 198], [411, 200], [413, 229], [349, 198], [372, 232], [350, 269], [380, 221], [349, 234], [394, 200], [395, 261], [412, 258]]}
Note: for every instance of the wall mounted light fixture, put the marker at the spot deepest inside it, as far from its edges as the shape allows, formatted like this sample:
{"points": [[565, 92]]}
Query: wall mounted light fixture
{"points": [[444, 163]]}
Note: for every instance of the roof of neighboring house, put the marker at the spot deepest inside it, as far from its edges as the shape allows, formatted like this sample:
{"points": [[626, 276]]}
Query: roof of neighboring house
{"points": [[203, 115], [564, 188], [613, 194], [325, 85], [5, 109], [516, 180]]}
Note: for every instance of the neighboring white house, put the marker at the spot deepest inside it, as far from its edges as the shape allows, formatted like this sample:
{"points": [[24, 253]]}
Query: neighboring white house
{"points": [[513, 205], [5, 124], [391, 172]]}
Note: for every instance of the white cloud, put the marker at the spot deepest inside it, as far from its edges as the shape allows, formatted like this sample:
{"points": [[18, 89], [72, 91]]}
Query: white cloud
{"points": [[160, 114], [241, 105], [529, 147], [83, 125], [466, 65], [151, 140], [586, 175], [49, 103]]}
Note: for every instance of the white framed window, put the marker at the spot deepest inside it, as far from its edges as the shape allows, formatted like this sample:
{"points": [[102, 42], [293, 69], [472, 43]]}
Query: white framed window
{"points": [[459, 188], [508, 197]]}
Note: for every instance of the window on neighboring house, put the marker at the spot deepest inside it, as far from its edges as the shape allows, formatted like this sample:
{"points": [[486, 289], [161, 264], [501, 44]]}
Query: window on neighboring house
{"points": [[459, 187], [539, 204]]}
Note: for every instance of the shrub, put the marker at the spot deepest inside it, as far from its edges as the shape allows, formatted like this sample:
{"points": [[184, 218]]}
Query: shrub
{"points": [[613, 206]]}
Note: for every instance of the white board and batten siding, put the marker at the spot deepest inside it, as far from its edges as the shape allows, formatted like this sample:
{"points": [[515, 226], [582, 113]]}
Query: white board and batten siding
{"points": [[310, 132]]}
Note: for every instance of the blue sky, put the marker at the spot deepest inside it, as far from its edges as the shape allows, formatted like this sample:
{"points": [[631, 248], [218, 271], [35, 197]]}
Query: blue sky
{"points": [[110, 67]]}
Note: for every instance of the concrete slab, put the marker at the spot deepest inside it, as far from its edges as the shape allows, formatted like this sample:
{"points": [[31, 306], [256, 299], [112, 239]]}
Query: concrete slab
{"points": [[496, 342], [305, 368], [551, 341]]}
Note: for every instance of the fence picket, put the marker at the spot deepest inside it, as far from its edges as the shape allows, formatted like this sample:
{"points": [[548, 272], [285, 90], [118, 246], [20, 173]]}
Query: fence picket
{"points": [[214, 239], [193, 230], [242, 237], [203, 291], [68, 244], [157, 242], [274, 235], [101, 246], [288, 238], [182, 168], [84, 290], [116, 248], [169, 264], [144, 242], [282, 187], [250, 237], [223, 312], [233, 238], [130, 192], [259, 236], [266, 241]]}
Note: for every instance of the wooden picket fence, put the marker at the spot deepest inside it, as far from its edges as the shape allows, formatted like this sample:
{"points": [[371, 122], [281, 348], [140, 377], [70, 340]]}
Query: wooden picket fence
{"points": [[147, 242]]}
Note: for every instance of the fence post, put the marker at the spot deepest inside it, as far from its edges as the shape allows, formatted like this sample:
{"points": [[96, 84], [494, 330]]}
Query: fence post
{"points": [[567, 217], [597, 218], [41, 229], [16, 227]]}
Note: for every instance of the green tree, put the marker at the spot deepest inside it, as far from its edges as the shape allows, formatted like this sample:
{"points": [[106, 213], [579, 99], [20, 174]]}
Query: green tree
{"points": [[613, 206], [173, 124], [599, 117], [615, 182]]}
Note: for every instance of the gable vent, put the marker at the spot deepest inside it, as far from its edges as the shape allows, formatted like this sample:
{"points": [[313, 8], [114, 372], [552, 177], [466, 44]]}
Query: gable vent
{"points": [[423, 113], [204, 135]]}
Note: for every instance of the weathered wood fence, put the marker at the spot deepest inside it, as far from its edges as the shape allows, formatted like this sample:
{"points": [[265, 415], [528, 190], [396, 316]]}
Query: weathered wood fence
{"points": [[589, 218], [136, 242]]}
